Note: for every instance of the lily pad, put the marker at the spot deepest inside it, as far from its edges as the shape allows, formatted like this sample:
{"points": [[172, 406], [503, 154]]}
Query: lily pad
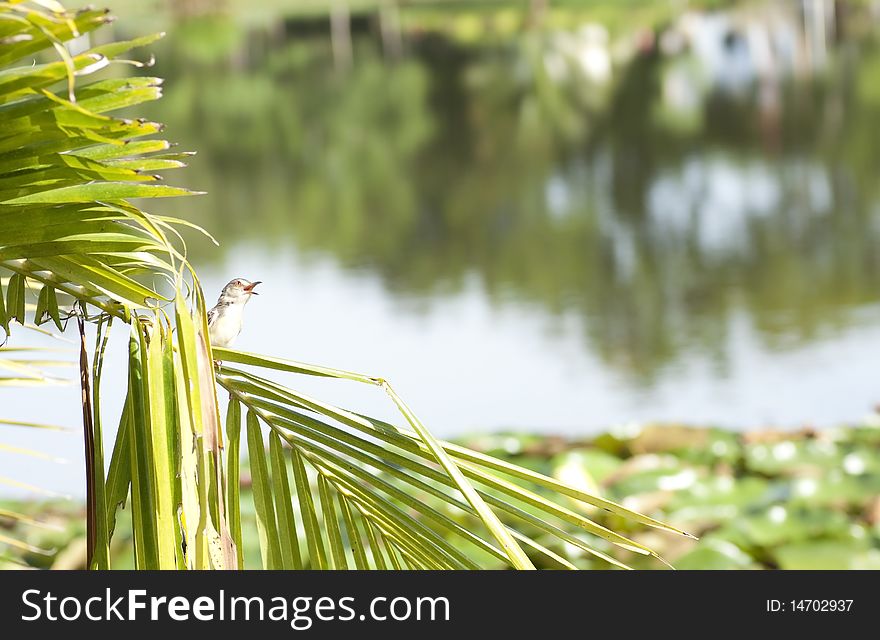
{"points": [[832, 554], [783, 524], [716, 554]]}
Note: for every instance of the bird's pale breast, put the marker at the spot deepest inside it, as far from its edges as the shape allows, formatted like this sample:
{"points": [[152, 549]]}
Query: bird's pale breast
{"points": [[226, 326]]}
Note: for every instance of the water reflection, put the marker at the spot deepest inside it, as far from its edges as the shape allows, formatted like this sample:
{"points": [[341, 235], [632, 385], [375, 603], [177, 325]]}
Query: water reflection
{"points": [[654, 184]]}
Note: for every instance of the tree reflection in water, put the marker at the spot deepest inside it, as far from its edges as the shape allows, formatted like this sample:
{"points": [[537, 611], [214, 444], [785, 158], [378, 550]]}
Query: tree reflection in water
{"points": [[651, 201]]}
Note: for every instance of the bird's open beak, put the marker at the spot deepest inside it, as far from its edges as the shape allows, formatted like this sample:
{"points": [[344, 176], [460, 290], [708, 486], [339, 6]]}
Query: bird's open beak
{"points": [[250, 288]]}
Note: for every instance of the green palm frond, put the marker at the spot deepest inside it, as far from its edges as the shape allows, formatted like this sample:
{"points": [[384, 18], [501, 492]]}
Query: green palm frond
{"points": [[68, 170], [350, 450]]}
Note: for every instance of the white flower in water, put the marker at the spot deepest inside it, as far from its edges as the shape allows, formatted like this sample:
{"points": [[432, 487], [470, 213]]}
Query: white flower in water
{"points": [[854, 465], [681, 480], [784, 451], [511, 445], [777, 514], [806, 487]]}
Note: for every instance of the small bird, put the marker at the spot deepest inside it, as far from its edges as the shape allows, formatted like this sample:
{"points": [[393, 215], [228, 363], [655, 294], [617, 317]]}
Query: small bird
{"points": [[224, 320]]}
